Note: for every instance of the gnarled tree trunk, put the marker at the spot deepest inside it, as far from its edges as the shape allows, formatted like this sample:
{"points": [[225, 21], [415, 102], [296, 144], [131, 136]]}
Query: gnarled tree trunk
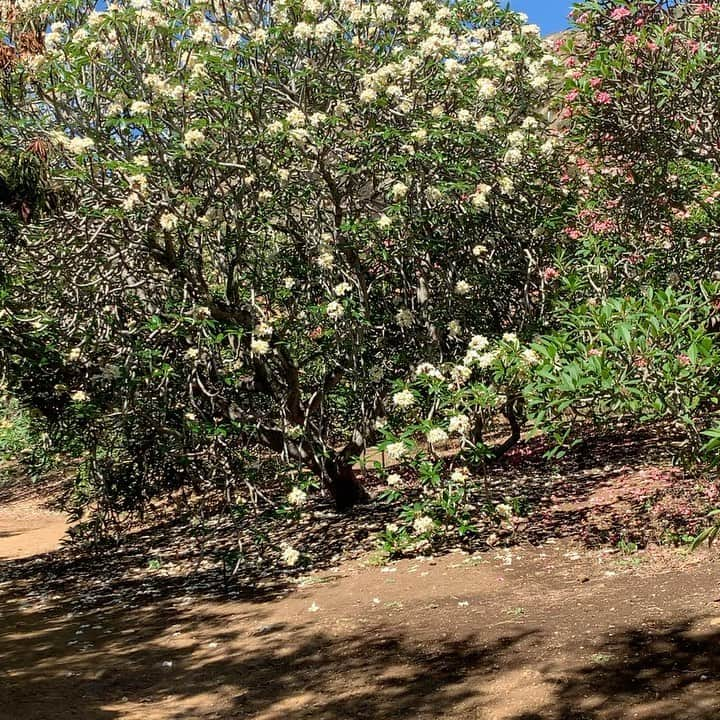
{"points": [[343, 484], [335, 472]]}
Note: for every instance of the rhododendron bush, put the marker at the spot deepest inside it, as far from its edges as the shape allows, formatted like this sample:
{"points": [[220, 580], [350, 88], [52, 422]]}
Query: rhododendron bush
{"points": [[273, 212], [640, 102], [636, 294]]}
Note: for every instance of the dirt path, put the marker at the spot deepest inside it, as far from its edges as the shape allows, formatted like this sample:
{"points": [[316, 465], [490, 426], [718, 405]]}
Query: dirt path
{"points": [[548, 633], [27, 529]]}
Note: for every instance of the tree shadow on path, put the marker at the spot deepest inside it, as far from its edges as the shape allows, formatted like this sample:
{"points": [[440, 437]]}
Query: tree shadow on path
{"points": [[107, 665], [234, 660], [671, 671]]}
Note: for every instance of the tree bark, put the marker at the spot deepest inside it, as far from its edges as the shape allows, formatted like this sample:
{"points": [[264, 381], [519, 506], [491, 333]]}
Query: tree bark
{"points": [[511, 412], [336, 473], [343, 484]]}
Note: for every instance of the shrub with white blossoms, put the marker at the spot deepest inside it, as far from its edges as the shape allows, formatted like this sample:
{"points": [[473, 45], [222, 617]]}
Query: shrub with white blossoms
{"points": [[371, 181], [290, 556], [458, 403], [449, 434]]}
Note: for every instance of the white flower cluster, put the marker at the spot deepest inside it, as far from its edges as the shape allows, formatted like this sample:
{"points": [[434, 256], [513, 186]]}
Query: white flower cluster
{"points": [[436, 436], [459, 424], [193, 138], [259, 346], [403, 399], [460, 475], [168, 221], [335, 310], [462, 288], [404, 318], [429, 370], [76, 145], [290, 556], [397, 450], [480, 198], [423, 525], [297, 497]]}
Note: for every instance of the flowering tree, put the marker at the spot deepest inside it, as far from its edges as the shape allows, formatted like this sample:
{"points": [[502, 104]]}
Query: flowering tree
{"points": [[24, 194], [638, 289], [632, 286], [642, 79], [277, 209]]}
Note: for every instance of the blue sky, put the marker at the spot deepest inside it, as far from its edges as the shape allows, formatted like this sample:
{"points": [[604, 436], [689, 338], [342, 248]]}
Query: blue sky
{"points": [[550, 15]]}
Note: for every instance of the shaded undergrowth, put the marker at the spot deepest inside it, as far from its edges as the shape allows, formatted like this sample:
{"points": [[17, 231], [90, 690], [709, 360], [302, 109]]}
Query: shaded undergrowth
{"points": [[608, 492]]}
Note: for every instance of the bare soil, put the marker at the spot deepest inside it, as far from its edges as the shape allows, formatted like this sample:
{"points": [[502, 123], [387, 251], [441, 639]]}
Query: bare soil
{"points": [[28, 526], [563, 628]]}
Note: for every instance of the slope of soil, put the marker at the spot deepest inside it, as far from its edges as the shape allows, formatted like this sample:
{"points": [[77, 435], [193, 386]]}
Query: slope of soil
{"points": [[555, 631]]}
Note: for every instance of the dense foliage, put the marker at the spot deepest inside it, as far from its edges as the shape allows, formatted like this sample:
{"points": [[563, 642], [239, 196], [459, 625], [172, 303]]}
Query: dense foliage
{"points": [[273, 210], [632, 293], [639, 101], [282, 233]]}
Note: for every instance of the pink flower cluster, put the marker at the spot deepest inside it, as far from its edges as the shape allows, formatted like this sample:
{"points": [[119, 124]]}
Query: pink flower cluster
{"points": [[619, 13], [603, 98]]}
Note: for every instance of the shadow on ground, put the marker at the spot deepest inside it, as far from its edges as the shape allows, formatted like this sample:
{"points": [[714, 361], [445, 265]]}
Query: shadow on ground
{"points": [[176, 661], [672, 671], [154, 630], [602, 494]]}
